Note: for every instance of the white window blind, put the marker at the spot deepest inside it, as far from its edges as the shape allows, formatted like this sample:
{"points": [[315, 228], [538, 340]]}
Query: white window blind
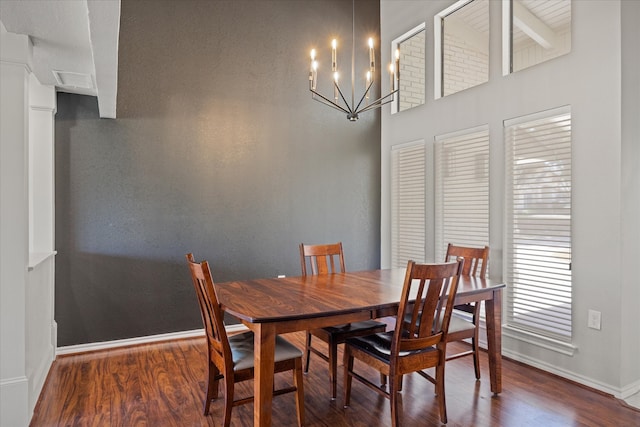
{"points": [[462, 190], [408, 169], [538, 219]]}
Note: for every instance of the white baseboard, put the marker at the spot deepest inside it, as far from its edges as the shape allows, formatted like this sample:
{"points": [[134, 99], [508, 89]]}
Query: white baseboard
{"points": [[631, 394], [83, 348], [633, 400], [617, 392], [39, 377], [14, 401]]}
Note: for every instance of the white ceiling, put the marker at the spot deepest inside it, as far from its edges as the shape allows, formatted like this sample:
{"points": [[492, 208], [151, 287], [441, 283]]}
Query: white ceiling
{"points": [[75, 44]]}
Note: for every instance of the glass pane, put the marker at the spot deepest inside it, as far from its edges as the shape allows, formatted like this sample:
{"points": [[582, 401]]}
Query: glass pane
{"points": [[465, 47], [412, 74], [540, 31]]}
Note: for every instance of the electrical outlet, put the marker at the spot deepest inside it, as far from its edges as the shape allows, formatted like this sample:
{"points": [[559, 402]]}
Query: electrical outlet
{"points": [[281, 276], [594, 319]]}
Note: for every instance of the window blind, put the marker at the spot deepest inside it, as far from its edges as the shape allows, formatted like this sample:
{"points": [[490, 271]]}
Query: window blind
{"points": [[461, 190], [538, 218], [408, 177]]}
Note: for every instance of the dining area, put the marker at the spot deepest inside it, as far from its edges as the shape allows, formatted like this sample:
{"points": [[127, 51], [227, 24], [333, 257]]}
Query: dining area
{"points": [[218, 149], [344, 306]]}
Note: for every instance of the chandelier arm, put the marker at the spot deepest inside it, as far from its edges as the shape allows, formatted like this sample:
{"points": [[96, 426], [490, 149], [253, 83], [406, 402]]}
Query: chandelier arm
{"points": [[381, 100], [326, 101], [357, 109], [374, 106], [349, 109]]}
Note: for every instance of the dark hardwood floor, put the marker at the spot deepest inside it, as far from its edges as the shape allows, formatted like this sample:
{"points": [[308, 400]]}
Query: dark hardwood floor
{"points": [[162, 384]]}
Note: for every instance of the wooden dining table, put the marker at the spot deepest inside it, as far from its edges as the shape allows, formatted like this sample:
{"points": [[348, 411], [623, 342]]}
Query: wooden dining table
{"points": [[274, 306]]}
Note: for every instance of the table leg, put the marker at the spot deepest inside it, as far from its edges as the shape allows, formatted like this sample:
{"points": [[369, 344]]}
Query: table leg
{"points": [[264, 340], [493, 314]]}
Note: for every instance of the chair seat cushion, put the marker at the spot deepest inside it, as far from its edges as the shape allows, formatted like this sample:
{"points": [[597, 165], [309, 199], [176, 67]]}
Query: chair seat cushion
{"points": [[355, 327], [456, 324], [379, 345], [242, 350]]}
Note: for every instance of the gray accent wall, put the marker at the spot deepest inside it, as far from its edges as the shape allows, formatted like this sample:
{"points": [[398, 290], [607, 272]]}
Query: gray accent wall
{"points": [[218, 150]]}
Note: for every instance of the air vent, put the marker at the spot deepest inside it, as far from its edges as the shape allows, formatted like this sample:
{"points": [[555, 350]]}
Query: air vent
{"points": [[73, 80]]}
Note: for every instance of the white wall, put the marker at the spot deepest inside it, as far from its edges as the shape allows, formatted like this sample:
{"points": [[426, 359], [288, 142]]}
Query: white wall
{"points": [[27, 328], [630, 295], [589, 79]]}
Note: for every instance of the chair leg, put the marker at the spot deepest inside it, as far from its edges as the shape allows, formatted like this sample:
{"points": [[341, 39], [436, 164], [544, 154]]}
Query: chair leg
{"points": [[476, 353], [212, 387], [348, 367], [228, 401], [307, 352], [333, 367], [399, 382], [298, 382], [394, 397], [440, 391]]}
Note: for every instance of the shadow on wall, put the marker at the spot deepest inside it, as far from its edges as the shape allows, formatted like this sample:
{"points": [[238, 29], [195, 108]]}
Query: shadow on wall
{"points": [[114, 297]]}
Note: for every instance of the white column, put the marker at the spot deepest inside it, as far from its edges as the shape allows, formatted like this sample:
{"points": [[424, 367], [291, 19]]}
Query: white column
{"points": [[15, 57]]}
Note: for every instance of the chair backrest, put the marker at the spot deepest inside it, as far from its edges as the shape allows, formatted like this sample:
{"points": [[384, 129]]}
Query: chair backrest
{"points": [[212, 315], [475, 259], [426, 322], [322, 259]]}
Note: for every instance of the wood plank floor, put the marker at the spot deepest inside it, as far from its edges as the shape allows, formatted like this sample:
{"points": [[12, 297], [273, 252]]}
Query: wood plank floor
{"points": [[162, 384]]}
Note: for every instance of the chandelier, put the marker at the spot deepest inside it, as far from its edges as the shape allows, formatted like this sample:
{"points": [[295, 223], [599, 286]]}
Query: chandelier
{"points": [[339, 102]]}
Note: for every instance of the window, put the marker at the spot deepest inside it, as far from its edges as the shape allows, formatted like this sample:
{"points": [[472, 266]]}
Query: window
{"points": [[408, 177], [461, 39], [411, 48], [534, 31], [538, 219], [462, 189]]}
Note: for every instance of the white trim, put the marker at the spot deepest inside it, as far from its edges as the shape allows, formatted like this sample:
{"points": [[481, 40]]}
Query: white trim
{"points": [[36, 258], [634, 399], [506, 37], [616, 392], [539, 340], [407, 144], [14, 405], [83, 348], [437, 57], [461, 132], [631, 390], [565, 109]]}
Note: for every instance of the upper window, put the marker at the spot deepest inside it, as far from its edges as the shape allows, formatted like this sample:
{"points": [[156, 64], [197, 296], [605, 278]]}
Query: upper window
{"points": [[461, 35], [535, 31], [409, 52]]}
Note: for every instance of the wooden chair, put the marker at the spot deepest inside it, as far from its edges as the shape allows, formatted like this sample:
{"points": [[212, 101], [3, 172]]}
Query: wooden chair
{"points": [[475, 264], [325, 259], [417, 343], [231, 358]]}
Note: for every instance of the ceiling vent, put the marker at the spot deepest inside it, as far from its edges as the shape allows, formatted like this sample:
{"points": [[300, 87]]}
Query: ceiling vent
{"points": [[73, 80]]}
